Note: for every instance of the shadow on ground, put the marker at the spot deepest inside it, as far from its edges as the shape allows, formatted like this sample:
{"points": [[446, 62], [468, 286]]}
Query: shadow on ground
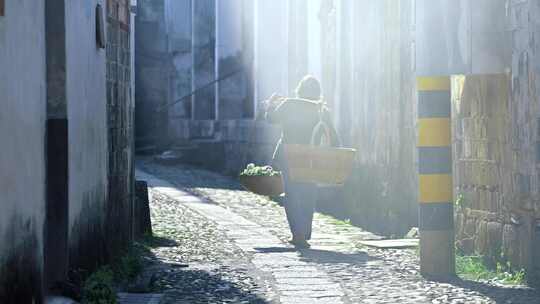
{"points": [[182, 284], [195, 177], [157, 241], [498, 294], [319, 256]]}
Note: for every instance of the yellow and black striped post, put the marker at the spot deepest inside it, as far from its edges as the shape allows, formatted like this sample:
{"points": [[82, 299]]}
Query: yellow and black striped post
{"points": [[436, 214]]}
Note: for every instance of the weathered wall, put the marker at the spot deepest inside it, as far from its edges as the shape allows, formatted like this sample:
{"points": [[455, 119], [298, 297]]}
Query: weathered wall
{"points": [[497, 151], [120, 116], [271, 58], [483, 163], [178, 17], [54, 119], [204, 59], [22, 161], [374, 109], [87, 123], [152, 72], [246, 141], [201, 41], [524, 21], [234, 51], [461, 37]]}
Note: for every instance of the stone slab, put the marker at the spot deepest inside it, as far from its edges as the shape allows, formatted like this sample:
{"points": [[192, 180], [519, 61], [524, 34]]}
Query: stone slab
{"points": [[132, 298], [392, 244]]}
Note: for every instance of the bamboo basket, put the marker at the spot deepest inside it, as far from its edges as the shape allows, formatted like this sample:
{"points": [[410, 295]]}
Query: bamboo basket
{"points": [[263, 185], [319, 164]]}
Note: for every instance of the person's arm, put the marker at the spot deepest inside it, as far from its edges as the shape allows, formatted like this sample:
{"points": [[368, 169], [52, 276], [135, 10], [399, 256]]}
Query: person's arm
{"points": [[334, 136], [273, 109]]}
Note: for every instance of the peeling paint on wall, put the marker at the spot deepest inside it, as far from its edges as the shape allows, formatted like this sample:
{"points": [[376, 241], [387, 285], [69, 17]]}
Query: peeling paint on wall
{"points": [[21, 262], [88, 240]]}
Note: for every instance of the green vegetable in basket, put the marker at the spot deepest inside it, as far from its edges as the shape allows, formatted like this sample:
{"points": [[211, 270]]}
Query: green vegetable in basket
{"points": [[253, 170]]}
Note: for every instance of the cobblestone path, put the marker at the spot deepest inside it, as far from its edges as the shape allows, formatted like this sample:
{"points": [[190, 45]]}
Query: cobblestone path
{"points": [[247, 233]]}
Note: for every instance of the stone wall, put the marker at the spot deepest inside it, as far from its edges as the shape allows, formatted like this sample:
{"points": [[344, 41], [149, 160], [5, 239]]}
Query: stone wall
{"points": [[22, 161], [524, 19], [482, 162], [120, 116], [461, 37]]}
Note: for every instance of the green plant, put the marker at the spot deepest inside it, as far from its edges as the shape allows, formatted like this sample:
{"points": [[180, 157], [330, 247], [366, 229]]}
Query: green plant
{"points": [[460, 201], [128, 267], [252, 170], [98, 288], [507, 275], [474, 268]]}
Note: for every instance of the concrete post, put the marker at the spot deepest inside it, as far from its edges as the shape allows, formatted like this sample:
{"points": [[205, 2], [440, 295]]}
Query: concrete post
{"points": [[436, 224]]}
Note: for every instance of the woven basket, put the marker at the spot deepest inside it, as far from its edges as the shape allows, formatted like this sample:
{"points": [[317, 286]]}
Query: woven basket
{"points": [[263, 185], [319, 164]]}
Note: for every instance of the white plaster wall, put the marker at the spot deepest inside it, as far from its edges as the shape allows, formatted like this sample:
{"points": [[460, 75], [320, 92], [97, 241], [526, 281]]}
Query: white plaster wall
{"points": [[229, 27], [22, 117], [271, 47], [86, 95], [133, 4], [178, 17], [314, 39], [462, 37]]}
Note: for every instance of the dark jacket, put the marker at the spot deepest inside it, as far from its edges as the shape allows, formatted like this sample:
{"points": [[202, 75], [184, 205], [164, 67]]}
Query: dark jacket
{"points": [[298, 118]]}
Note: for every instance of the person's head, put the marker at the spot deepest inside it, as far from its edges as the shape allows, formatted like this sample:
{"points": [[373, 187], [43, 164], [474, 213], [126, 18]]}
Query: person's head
{"points": [[309, 88]]}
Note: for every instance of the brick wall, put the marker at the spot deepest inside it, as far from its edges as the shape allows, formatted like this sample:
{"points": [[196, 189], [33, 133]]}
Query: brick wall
{"points": [[483, 165], [120, 109]]}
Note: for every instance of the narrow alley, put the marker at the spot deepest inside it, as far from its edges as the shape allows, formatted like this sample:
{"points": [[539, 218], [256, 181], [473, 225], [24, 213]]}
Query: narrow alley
{"points": [[269, 151]]}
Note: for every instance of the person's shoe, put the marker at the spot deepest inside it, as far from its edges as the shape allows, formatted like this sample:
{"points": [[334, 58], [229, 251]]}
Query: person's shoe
{"points": [[300, 244]]}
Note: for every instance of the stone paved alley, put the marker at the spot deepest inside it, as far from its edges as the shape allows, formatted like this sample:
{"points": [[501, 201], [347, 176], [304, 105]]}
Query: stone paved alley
{"points": [[225, 245]]}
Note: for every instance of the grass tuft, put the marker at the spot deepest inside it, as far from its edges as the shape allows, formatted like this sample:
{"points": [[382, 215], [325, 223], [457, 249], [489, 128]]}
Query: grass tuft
{"points": [[99, 287], [474, 268]]}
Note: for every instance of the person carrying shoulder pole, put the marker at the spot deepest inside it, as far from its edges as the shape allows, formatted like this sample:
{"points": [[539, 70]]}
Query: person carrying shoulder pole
{"points": [[298, 118]]}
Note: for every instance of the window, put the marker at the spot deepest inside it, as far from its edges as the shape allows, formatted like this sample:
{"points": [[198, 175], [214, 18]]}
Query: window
{"points": [[100, 27]]}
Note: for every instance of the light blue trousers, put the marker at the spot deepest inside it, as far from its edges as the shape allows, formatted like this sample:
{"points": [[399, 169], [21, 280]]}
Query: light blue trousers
{"points": [[300, 201]]}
